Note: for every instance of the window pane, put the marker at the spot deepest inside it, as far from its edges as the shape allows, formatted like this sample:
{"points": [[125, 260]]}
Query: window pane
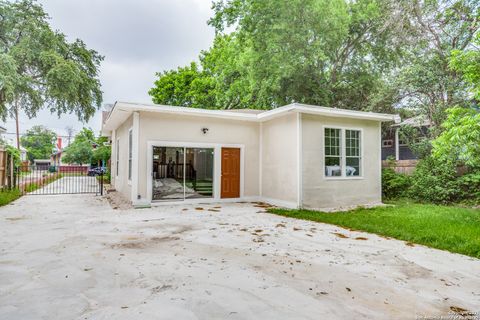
{"points": [[199, 173], [332, 167], [353, 166], [168, 166], [332, 152]]}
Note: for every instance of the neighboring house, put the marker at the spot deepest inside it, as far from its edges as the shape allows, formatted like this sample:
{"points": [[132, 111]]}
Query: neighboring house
{"points": [[56, 157], [392, 144], [293, 156], [41, 164]]}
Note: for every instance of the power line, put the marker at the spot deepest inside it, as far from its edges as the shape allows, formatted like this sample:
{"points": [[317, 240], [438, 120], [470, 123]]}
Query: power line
{"points": [[31, 134]]}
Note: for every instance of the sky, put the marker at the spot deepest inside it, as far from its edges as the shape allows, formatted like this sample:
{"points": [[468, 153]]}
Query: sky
{"points": [[137, 37]]}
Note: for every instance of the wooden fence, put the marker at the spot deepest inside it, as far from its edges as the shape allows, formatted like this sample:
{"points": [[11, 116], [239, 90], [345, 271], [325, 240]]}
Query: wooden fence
{"points": [[7, 176], [401, 166]]}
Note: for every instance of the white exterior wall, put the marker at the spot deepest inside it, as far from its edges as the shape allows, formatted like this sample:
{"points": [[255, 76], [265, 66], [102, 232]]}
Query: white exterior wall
{"points": [[188, 129], [278, 163], [319, 192], [120, 182], [279, 179]]}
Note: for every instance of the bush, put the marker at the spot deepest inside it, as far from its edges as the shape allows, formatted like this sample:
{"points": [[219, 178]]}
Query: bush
{"points": [[469, 187], [435, 181], [394, 185]]}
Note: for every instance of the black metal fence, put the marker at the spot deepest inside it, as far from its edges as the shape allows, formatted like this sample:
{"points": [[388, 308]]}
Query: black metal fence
{"points": [[35, 180]]}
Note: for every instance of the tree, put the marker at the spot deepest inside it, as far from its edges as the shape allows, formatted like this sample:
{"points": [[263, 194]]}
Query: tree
{"points": [[428, 84], [40, 68], [102, 151], [333, 53], [374, 55], [86, 148], [467, 63], [459, 142], [39, 142]]}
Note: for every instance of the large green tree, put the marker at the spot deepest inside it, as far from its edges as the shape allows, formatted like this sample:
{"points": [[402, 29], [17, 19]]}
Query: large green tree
{"points": [[378, 55], [427, 83], [87, 149], [460, 139], [39, 142], [39, 68], [329, 52]]}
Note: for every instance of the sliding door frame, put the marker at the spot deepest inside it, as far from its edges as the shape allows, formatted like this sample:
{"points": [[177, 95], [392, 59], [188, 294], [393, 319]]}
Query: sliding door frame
{"points": [[217, 168]]}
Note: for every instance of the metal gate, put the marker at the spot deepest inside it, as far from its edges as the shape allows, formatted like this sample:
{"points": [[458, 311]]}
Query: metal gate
{"points": [[45, 179]]}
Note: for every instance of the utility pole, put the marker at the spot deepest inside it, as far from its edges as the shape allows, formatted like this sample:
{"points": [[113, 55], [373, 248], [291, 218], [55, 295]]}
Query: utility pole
{"points": [[69, 130], [16, 122]]}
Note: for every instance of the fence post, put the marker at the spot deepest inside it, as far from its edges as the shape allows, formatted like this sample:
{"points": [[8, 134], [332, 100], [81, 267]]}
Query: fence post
{"points": [[101, 183]]}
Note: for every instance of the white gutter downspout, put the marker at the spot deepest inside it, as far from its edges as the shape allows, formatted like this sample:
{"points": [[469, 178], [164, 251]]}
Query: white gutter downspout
{"points": [[299, 162], [135, 147]]}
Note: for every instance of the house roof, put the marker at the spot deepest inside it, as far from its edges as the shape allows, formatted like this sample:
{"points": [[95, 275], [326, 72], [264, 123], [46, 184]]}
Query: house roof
{"points": [[121, 111]]}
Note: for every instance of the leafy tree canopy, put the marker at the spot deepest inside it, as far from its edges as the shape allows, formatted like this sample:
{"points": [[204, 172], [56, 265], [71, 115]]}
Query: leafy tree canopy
{"points": [[40, 68], [39, 142], [86, 149], [460, 140], [378, 55]]}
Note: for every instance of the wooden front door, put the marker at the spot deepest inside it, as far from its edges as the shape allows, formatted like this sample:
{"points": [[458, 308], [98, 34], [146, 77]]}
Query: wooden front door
{"points": [[230, 173]]}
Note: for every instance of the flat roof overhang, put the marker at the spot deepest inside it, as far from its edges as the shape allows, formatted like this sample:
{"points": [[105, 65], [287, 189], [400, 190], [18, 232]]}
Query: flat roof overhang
{"points": [[121, 111]]}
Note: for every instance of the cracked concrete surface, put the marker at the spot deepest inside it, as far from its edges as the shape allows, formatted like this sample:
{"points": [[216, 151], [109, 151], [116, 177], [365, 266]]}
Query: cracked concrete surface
{"points": [[74, 257]]}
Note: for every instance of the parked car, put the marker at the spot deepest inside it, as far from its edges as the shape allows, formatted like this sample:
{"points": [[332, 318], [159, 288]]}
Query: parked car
{"points": [[97, 171]]}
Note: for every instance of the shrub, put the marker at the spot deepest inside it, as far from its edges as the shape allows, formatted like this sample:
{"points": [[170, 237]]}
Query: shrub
{"points": [[469, 187], [435, 181], [394, 185]]}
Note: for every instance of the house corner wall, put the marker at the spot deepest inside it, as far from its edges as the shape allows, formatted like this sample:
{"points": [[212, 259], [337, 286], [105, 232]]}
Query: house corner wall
{"points": [[280, 160], [319, 192], [120, 182]]}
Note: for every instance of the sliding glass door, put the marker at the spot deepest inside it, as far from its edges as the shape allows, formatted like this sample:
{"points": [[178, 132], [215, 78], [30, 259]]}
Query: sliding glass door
{"points": [[182, 173]]}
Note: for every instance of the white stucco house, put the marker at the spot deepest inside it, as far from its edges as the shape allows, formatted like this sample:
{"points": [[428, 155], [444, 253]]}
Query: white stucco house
{"points": [[296, 156]]}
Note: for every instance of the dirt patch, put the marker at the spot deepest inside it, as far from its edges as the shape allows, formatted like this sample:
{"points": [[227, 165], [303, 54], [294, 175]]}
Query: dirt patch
{"points": [[340, 235], [140, 242], [361, 238], [117, 201], [143, 243], [16, 218], [462, 312], [262, 205]]}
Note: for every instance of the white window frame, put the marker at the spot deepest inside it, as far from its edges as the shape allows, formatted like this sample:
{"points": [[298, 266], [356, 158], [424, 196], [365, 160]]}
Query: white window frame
{"points": [[387, 143], [117, 157], [130, 155], [343, 158]]}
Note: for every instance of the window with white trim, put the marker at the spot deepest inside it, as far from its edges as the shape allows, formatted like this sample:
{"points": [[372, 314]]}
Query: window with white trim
{"points": [[342, 152], [352, 153], [333, 157], [117, 156], [130, 146]]}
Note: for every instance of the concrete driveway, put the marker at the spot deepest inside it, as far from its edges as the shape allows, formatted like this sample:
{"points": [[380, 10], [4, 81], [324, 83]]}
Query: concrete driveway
{"points": [[74, 257]]}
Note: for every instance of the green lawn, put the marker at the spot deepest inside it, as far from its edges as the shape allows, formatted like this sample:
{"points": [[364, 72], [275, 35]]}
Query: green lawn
{"points": [[443, 227], [8, 196]]}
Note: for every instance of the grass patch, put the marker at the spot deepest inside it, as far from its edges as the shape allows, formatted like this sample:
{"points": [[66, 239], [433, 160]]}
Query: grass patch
{"points": [[448, 228], [7, 196]]}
